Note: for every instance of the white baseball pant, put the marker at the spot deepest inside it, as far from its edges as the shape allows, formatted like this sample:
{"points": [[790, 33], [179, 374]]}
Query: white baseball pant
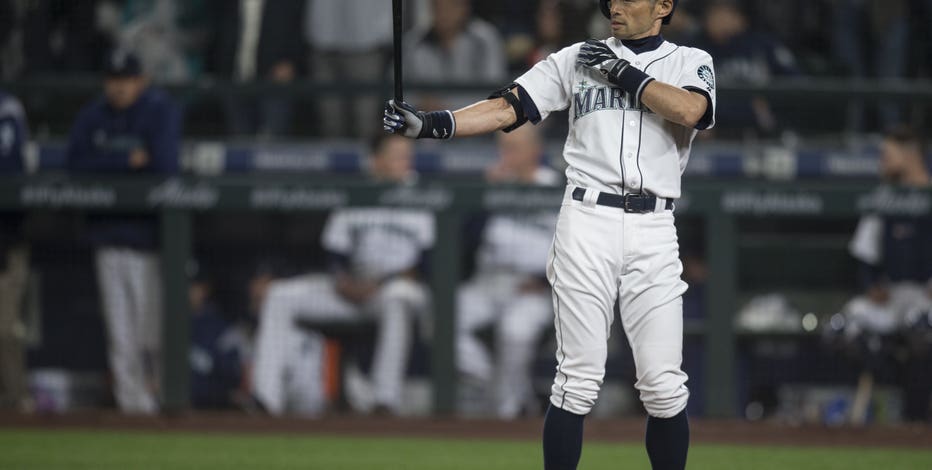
{"points": [[130, 286], [13, 279], [395, 307], [602, 255], [519, 318], [890, 316]]}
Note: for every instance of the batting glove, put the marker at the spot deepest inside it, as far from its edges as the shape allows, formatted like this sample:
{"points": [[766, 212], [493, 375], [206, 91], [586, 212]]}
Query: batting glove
{"points": [[404, 119], [594, 53], [597, 55]]}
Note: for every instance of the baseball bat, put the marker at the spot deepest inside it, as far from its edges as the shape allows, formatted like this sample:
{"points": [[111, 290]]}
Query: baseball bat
{"points": [[397, 17]]}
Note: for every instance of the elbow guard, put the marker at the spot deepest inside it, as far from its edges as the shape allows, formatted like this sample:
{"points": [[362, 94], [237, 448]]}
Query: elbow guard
{"points": [[520, 115]]}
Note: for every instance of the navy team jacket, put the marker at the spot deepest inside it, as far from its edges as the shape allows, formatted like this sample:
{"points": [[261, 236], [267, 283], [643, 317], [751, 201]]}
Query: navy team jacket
{"points": [[13, 135], [101, 141]]}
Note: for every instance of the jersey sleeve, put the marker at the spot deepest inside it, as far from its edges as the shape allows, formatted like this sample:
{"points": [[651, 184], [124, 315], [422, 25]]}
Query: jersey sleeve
{"points": [[336, 237], [699, 76], [865, 245], [13, 134], [427, 234], [549, 81]]}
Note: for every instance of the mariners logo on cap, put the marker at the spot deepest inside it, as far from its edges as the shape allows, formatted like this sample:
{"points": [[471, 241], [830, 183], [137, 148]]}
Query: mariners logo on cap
{"points": [[705, 73]]}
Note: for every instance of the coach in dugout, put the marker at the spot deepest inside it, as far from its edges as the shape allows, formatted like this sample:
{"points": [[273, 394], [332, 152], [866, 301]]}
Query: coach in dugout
{"points": [[132, 129], [14, 263]]}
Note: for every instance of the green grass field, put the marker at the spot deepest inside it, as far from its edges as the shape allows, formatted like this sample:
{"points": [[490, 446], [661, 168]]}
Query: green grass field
{"points": [[48, 450]]}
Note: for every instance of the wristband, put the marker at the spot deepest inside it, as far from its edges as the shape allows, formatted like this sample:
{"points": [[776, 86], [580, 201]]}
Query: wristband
{"points": [[438, 125], [630, 78]]}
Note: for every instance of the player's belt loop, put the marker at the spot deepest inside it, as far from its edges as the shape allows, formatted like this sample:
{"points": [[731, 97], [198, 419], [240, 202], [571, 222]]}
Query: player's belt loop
{"points": [[590, 198]]}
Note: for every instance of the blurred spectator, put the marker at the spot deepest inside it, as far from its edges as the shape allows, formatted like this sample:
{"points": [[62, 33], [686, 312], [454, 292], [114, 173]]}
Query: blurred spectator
{"points": [[895, 254], [509, 290], [743, 56], [800, 25], [549, 33], [216, 349], [166, 34], [520, 21], [685, 25], [11, 40], [14, 263], [456, 50], [257, 40], [132, 129], [376, 258], [871, 40], [348, 46], [51, 36]]}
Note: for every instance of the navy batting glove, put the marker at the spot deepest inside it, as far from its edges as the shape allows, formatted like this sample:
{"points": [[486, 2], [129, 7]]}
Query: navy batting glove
{"points": [[404, 119]]}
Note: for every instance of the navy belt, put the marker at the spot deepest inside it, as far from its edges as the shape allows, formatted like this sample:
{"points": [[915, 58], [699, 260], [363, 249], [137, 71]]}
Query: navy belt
{"points": [[633, 203]]}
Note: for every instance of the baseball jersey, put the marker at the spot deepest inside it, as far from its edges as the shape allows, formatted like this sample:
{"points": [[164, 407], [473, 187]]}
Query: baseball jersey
{"points": [[519, 242], [13, 134], [379, 242], [616, 144], [101, 141], [893, 248]]}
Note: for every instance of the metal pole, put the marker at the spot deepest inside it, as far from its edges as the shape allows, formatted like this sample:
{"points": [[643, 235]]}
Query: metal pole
{"points": [[721, 248], [445, 272], [176, 337]]}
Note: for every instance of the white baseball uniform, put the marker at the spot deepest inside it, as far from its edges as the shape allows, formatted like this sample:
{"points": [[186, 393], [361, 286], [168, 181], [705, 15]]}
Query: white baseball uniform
{"points": [[130, 287], [379, 243], [905, 297], [603, 254], [513, 252]]}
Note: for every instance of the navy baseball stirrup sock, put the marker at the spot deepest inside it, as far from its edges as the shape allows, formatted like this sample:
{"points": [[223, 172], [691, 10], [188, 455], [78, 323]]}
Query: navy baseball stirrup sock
{"points": [[668, 442], [563, 435]]}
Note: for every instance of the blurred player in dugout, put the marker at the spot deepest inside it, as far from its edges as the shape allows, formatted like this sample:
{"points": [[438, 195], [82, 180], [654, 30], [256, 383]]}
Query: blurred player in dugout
{"points": [[509, 290], [895, 256], [133, 129], [14, 262], [377, 255]]}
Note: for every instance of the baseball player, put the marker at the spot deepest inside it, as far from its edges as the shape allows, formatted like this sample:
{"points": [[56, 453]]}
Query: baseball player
{"points": [[895, 256], [132, 129], [635, 104], [509, 289], [14, 262], [376, 254]]}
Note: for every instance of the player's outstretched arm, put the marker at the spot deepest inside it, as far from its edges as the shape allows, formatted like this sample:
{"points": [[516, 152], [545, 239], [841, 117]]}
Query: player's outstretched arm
{"points": [[479, 118], [484, 117]]}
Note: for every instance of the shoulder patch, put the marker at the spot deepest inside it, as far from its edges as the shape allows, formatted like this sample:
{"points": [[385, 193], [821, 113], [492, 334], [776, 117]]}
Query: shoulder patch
{"points": [[705, 73]]}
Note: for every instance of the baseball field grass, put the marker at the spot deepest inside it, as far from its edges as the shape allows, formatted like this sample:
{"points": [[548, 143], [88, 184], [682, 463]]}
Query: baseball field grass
{"points": [[102, 450]]}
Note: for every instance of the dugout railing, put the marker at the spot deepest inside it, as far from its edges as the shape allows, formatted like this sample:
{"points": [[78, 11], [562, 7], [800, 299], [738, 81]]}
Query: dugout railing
{"points": [[720, 208], [808, 105]]}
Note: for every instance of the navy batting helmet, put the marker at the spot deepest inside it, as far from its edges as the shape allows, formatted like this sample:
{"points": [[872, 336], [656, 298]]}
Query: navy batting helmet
{"points": [[607, 10]]}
